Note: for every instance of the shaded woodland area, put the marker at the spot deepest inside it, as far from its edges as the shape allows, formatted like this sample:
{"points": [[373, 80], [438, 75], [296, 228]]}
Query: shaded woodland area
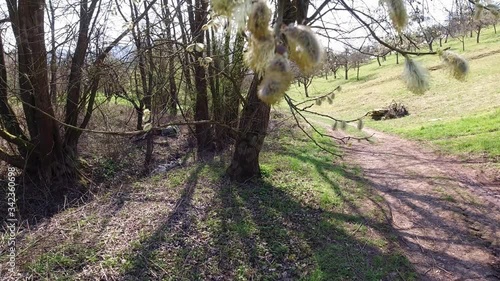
{"points": [[174, 63]]}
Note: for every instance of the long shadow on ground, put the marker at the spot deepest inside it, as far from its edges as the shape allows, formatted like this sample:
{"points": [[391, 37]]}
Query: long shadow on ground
{"points": [[258, 231]]}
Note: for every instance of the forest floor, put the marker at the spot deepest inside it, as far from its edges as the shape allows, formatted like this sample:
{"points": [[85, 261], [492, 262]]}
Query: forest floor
{"points": [[444, 210]]}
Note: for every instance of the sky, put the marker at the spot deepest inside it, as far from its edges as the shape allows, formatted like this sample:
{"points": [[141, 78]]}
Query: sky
{"points": [[115, 23], [436, 10]]}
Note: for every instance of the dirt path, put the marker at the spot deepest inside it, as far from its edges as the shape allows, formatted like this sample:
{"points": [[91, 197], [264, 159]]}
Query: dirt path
{"points": [[446, 216]]}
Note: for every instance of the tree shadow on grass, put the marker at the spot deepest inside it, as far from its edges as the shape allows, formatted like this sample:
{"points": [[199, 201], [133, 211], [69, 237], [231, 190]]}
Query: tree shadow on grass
{"points": [[283, 239], [180, 221], [423, 209], [258, 231]]}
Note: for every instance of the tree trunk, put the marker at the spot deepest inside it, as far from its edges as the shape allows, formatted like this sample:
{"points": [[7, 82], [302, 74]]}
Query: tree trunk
{"points": [[397, 58], [53, 54], [173, 96], [7, 115], [378, 61], [140, 114], [253, 127], [306, 86], [217, 107], [73, 100], [478, 33], [346, 69], [232, 101], [49, 163], [357, 72], [203, 132]]}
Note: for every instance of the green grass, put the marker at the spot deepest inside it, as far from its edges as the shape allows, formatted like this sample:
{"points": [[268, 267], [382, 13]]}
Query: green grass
{"points": [[474, 134], [459, 117]]}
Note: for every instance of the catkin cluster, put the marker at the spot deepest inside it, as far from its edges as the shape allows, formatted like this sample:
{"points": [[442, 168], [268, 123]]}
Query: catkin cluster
{"points": [[263, 56], [397, 13], [277, 78], [305, 49], [224, 7], [261, 44], [457, 65], [416, 77]]}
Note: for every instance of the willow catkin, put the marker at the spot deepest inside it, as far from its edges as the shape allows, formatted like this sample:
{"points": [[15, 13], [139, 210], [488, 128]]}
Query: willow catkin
{"points": [[457, 65], [494, 10], [416, 77], [277, 78], [397, 13], [478, 12], [224, 7], [260, 52], [305, 49], [258, 20]]}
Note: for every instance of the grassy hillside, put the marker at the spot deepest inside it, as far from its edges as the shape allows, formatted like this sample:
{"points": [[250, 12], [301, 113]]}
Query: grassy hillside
{"points": [[309, 218], [461, 117]]}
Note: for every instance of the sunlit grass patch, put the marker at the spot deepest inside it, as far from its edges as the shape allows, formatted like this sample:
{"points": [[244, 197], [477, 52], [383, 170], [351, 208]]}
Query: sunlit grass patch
{"points": [[454, 114]]}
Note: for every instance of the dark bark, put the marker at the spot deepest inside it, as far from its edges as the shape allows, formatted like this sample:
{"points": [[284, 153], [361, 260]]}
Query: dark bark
{"points": [[48, 148], [187, 61], [53, 54], [478, 33], [173, 96], [253, 127], [378, 61], [7, 115], [232, 101], [203, 132], [73, 100]]}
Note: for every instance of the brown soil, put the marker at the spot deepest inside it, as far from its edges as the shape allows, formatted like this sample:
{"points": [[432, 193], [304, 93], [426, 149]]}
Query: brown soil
{"points": [[445, 214]]}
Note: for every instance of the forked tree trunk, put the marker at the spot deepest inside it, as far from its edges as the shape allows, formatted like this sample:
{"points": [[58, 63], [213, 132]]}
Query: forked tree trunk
{"points": [[253, 127], [203, 132], [48, 162]]}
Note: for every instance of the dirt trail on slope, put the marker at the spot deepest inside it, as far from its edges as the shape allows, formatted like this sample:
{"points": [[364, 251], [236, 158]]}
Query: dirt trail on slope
{"points": [[447, 218]]}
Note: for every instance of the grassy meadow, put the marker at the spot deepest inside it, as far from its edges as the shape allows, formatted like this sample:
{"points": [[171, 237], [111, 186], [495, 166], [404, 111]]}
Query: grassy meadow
{"points": [[458, 117]]}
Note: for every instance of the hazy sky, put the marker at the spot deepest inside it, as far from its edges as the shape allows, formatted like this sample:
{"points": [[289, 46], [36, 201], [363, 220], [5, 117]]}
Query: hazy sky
{"points": [[435, 9]]}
